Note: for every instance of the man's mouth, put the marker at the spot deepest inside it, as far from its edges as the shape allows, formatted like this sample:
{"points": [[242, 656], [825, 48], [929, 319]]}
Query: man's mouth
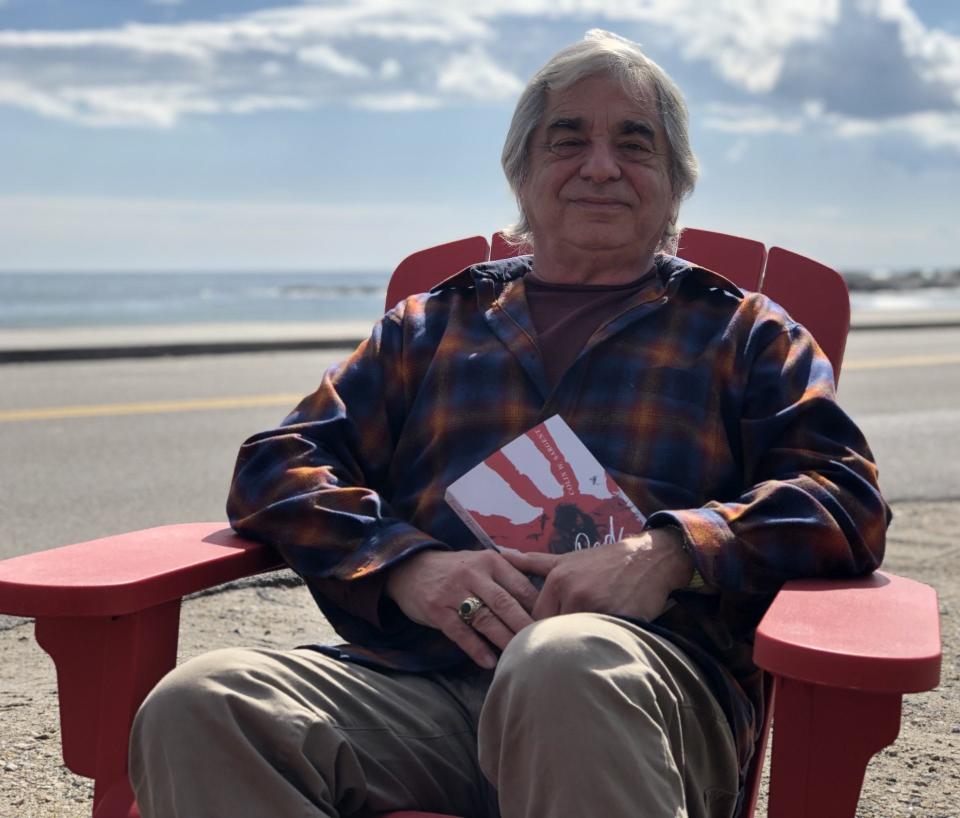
{"points": [[599, 202]]}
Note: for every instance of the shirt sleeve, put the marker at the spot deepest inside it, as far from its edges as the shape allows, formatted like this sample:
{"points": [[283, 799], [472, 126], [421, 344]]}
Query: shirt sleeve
{"points": [[810, 504], [316, 487]]}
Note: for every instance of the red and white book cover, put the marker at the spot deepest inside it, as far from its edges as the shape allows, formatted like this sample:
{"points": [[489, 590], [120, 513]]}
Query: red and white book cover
{"points": [[544, 491]]}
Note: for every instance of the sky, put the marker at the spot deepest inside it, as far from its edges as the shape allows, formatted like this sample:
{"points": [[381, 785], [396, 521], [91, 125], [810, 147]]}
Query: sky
{"points": [[344, 134]]}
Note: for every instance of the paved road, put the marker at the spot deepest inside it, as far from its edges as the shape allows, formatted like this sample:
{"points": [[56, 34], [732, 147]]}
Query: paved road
{"points": [[90, 448], [903, 389]]}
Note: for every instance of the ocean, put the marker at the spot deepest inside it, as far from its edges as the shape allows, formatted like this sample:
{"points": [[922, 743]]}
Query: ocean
{"points": [[48, 300]]}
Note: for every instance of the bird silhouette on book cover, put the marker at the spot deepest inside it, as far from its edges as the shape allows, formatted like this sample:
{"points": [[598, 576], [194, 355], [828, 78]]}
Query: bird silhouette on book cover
{"points": [[544, 491]]}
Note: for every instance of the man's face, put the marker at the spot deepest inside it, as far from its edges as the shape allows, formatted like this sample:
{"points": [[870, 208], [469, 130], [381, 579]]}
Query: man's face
{"points": [[598, 175]]}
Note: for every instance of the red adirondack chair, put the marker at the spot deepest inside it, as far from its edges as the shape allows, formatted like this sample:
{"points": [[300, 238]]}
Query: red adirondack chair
{"points": [[840, 654]]}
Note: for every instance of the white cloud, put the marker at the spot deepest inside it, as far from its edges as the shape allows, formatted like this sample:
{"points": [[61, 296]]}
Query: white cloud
{"points": [[390, 69], [475, 75], [253, 103], [158, 106], [22, 95], [937, 52], [934, 129], [737, 151], [749, 120], [931, 129], [389, 55], [372, 53], [745, 40], [322, 56], [271, 68], [403, 101]]}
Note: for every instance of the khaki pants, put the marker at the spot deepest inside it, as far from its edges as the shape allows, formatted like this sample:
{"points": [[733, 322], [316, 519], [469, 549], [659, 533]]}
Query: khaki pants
{"points": [[585, 716]]}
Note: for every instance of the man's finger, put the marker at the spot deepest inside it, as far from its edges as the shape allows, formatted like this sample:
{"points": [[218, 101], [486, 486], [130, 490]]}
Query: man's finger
{"points": [[517, 584], [533, 562], [548, 603], [488, 624], [469, 641], [503, 604]]}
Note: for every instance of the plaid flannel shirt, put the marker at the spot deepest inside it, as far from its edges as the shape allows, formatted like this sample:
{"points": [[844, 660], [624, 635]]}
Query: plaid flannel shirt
{"points": [[709, 406]]}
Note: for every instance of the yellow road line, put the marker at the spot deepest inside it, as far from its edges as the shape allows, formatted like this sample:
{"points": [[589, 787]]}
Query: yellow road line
{"points": [[290, 400], [903, 360], [149, 407]]}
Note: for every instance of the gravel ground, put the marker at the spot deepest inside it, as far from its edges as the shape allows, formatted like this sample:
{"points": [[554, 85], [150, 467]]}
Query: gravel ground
{"points": [[918, 776]]}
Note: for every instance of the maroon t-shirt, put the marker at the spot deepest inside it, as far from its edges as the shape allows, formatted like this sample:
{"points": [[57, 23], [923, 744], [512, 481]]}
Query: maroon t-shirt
{"points": [[566, 315]]}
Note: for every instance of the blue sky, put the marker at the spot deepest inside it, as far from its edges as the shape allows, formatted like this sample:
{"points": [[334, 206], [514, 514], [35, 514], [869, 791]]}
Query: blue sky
{"points": [[206, 134]]}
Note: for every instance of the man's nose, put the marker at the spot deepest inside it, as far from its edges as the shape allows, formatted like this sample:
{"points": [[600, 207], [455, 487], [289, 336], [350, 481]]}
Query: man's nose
{"points": [[600, 163]]}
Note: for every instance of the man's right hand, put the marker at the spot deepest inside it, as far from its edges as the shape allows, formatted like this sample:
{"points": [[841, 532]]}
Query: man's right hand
{"points": [[430, 585]]}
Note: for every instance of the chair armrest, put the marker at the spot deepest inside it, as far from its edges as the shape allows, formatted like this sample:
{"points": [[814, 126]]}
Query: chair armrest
{"points": [[129, 572], [843, 652], [879, 633], [107, 611]]}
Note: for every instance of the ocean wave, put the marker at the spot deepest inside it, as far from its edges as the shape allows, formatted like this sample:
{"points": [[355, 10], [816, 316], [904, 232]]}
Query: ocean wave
{"points": [[901, 280], [317, 291], [81, 299]]}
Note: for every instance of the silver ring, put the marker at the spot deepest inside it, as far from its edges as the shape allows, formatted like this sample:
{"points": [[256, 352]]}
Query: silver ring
{"points": [[469, 608]]}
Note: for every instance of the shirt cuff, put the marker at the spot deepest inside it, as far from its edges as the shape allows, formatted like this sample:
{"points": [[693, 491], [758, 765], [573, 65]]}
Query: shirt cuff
{"points": [[365, 597], [704, 533], [358, 597]]}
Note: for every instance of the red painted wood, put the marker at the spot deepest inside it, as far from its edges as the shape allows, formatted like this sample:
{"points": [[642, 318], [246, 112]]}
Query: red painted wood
{"points": [[738, 259], [117, 802], [128, 572], [105, 668], [814, 295], [420, 271], [823, 739], [879, 633], [501, 248]]}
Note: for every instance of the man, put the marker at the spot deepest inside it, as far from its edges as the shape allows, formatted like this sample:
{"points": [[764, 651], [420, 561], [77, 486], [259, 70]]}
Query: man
{"points": [[624, 687]]}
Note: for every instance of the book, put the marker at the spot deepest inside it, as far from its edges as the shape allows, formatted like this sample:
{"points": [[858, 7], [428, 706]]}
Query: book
{"points": [[544, 491]]}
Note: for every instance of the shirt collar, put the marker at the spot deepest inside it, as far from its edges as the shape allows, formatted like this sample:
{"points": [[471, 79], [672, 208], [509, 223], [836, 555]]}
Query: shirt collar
{"points": [[672, 271]]}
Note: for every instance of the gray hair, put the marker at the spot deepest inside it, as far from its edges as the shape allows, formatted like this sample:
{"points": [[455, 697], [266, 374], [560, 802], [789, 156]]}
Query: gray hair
{"points": [[600, 52]]}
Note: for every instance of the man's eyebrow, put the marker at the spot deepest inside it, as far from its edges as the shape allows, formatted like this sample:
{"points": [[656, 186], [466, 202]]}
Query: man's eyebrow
{"points": [[566, 123], [636, 126]]}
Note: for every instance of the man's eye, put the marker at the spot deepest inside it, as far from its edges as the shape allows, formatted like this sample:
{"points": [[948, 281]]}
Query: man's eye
{"points": [[636, 149], [566, 147]]}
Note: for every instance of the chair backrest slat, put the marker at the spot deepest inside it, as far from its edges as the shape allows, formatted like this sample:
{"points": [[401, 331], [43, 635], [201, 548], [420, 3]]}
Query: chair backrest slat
{"points": [[420, 271], [734, 257], [501, 248], [814, 295], [811, 292]]}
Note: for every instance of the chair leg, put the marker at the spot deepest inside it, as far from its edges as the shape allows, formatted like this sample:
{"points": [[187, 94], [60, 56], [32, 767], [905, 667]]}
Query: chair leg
{"points": [[823, 738], [116, 801], [105, 668]]}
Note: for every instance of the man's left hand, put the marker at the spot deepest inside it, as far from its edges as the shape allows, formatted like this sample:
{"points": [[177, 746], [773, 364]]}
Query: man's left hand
{"points": [[632, 577]]}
